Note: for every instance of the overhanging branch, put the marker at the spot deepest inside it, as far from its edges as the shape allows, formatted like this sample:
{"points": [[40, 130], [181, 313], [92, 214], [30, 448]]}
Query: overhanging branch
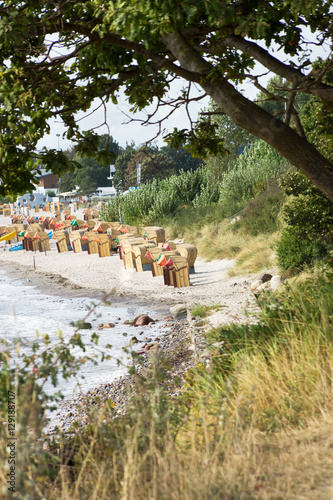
{"points": [[301, 82]]}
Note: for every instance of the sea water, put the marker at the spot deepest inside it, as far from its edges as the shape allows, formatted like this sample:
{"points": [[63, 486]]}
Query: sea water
{"points": [[25, 310]]}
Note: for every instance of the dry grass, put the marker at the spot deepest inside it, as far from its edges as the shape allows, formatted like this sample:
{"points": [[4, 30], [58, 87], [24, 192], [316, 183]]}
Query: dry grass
{"points": [[252, 253], [258, 254], [293, 464], [266, 435]]}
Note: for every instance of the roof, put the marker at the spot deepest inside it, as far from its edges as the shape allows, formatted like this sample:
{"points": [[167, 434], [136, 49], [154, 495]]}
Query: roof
{"points": [[68, 193]]}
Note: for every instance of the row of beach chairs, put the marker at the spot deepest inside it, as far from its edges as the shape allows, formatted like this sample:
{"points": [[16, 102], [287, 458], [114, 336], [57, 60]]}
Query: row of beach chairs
{"points": [[172, 260], [148, 250]]}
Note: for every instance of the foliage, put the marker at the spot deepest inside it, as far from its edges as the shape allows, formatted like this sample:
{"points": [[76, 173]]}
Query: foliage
{"points": [[308, 215], [292, 334], [308, 209], [317, 116], [140, 48], [154, 165], [209, 194], [165, 203], [134, 206], [271, 375], [157, 199], [181, 159], [6, 199], [251, 172], [295, 250], [92, 172], [235, 139], [121, 164], [203, 311], [67, 182], [187, 185], [26, 367], [262, 214], [201, 141]]}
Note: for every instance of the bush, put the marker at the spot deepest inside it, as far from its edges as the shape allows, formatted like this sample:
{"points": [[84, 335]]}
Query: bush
{"points": [[248, 176], [51, 194], [296, 250], [209, 194], [187, 185], [165, 203], [307, 209], [309, 217], [158, 199]]}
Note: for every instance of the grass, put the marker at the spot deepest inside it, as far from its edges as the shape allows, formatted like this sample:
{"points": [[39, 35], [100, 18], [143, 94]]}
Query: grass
{"points": [[253, 424], [250, 239], [251, 253], [203, 311]]}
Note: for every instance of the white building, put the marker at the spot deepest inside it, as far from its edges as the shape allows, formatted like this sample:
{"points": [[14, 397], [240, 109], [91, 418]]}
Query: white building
{"points": [[105, 192]]}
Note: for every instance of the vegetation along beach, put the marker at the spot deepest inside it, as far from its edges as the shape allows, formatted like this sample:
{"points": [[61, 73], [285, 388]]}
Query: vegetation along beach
{"points": [[166, 250]]}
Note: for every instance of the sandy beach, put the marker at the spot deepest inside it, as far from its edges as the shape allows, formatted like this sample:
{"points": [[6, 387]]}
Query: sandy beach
{"points": [[79, 272]]}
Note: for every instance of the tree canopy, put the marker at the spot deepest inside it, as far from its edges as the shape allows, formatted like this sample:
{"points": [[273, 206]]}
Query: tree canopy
{"points": [[58, 56]]}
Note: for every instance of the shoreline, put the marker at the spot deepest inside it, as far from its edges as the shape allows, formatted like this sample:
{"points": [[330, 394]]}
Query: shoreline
{"points": [[76, 409], [81, 275]]}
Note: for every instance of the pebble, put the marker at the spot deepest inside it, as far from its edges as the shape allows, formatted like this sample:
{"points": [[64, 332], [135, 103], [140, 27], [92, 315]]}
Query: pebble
{"points": [[77, 409]]}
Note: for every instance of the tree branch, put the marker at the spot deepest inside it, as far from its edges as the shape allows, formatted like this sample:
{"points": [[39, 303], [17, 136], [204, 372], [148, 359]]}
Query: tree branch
{"points": [[289, 107], [114, 85], [301, 82], [138, 48], [254, 119]]}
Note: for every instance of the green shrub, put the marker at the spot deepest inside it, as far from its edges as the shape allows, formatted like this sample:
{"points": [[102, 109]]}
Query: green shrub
{"points": [[248, 176], [209, 194], [307, 209], [309, 218], [296, 250], [158, 199], [165, 203], [187, 185]]}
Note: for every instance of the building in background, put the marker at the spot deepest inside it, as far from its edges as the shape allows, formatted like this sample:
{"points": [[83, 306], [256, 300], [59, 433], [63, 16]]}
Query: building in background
{"points": [[47, 182], [105, 192]]}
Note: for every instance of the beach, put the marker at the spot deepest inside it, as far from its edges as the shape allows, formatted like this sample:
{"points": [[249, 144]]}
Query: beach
{"points": [[78, 272], [72, 275]]}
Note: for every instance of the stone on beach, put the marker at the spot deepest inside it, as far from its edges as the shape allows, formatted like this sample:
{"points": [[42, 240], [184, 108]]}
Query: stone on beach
{"points": [[143, 320], [178, 311]]}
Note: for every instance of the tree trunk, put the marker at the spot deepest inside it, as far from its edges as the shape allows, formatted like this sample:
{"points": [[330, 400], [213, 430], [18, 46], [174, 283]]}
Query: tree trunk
{"points": [[297, 150]]}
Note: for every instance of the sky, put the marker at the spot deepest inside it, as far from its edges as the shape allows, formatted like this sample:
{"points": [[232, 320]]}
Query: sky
{"points": [[124, 132], [120, 128]]}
